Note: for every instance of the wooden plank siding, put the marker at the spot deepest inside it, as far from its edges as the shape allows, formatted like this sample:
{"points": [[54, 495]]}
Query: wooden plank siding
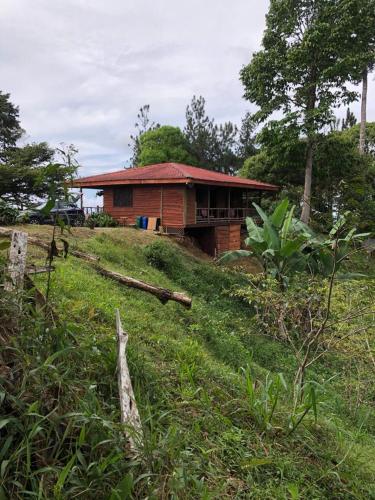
{"points": [[190, 209], [146, 201], [173, 206], [166, 202]]}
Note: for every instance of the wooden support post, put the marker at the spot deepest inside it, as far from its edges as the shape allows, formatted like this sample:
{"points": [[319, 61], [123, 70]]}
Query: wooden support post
{"points": [[81, 197], [17, 262], [129, 411], [209, 202], [161, 205]]}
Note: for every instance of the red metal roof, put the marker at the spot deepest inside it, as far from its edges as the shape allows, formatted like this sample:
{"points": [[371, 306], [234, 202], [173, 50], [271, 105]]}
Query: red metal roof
{"points": [[169, 173]]}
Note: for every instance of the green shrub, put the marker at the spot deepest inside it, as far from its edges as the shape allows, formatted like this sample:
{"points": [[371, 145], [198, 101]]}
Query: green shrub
{"points": [[101, 219], [8, 214], [164, 257]]}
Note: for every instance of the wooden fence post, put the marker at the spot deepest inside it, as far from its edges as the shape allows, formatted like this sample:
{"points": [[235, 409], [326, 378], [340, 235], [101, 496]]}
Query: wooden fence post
{"points": [[129, 411], [17, 262]]}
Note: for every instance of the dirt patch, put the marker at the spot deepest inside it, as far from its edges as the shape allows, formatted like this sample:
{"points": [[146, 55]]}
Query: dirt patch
{"points": [[248, 265]]}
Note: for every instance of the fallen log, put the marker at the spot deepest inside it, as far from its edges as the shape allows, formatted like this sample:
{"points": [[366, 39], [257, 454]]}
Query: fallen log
{"points": [[163, 294], [128, 406], [76, 253], [39, 270], [46, 246]]}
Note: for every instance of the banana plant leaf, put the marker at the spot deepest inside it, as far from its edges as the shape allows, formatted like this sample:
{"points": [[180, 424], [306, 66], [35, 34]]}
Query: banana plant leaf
{"points": [[231, 256], [278, 216]]}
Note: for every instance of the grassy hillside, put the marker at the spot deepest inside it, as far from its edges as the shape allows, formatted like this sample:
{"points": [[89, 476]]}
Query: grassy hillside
{"points": [[60, 433]]}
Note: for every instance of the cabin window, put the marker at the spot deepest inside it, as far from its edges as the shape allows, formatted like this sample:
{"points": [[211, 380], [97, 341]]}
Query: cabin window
{"points": [[123, 197]]}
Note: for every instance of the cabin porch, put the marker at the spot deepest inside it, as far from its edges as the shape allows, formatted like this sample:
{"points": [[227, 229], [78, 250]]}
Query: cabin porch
{"points": [[214, 204]]}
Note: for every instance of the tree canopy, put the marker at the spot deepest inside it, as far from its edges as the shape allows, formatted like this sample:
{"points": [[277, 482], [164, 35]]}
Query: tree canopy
{"points": [[164, 144], [221, 147], [29, 173], [142, 125], [308, 59], [344, 179], [204, 143], [10, 128]]}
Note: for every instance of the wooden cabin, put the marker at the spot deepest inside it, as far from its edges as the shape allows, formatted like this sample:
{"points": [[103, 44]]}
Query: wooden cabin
{"points": [[207, 205]]}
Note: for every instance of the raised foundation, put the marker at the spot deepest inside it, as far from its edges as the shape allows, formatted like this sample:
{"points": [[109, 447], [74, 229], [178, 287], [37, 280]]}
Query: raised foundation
{"points": [[217, 239]]}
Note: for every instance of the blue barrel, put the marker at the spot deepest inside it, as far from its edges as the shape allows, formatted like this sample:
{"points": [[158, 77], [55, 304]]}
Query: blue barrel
{"points": [[144, 222]]}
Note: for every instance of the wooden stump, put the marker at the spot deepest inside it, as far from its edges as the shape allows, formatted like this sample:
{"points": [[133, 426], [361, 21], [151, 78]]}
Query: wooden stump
{"points": [[17, 262], [129, 411]]}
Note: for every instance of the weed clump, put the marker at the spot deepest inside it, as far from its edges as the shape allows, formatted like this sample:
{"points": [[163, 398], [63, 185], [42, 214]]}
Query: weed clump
{"points": [[101, 219], [164, 257]]}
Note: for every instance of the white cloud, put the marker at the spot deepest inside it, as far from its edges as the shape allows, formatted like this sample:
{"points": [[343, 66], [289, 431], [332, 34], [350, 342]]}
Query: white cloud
{"points": [[80, 69]]}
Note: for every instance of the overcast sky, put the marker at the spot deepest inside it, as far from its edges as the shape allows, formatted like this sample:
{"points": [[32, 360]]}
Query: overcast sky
{"points": [[80, 69]]}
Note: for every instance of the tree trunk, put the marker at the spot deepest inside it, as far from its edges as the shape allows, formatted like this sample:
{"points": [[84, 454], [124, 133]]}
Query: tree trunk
{"points": [[362, 129], [306, 202], [311, 129]]}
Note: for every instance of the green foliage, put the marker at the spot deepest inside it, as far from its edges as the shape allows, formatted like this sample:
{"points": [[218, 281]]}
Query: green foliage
{"points": [[222, 147], [304, 62], [32, 171], [285, 246], [279, 244], [217, 147], [10, 128], [163, 257], [142, 125], [58, 441], [352, 134], [265, 401], [263, 398], [304, 67], [8, 214], [163, 144], [343, 179], [101, 219], [202, 438]]}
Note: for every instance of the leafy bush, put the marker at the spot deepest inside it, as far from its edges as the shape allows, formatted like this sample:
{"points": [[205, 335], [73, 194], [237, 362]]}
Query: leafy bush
{"points": [[101, 219], [164, 258], [279, 312], [8, 214]]}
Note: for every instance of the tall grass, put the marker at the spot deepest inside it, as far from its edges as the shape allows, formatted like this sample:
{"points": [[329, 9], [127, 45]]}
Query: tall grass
{"points": [[211, 429]]}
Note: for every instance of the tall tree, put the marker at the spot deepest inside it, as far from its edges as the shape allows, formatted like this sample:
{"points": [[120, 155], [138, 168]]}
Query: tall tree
{"points": [[246, 139], [28, 173], [225, 151], [216, 147], [303, 69], [365, 41], [362, 136], [10, 128], [201, 133], [349, 121], [142, 125]]}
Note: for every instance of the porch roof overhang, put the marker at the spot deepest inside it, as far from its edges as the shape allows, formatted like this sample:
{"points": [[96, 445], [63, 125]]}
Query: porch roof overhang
{"points": [[170, 173]]}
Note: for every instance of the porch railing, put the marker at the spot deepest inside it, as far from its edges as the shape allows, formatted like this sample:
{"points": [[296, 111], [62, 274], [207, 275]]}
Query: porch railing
{"points": [[92, 210], [223, 214]]}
